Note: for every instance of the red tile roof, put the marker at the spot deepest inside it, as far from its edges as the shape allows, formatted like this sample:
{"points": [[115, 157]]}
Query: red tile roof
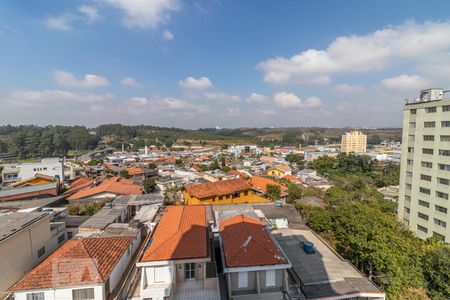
{"points": [[77, 262], [292, 178], [79, 184], [135, 171], [260, 183], [114, 185], [218, 188], [246, 243], [181, 234]]}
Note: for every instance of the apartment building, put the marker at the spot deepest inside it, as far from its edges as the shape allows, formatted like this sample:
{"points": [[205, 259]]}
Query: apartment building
{"points": [[52, 166], [354, 141], [425, 165]]}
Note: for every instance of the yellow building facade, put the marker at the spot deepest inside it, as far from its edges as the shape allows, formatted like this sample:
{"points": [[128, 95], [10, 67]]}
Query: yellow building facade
{"points": [[354, 141]]}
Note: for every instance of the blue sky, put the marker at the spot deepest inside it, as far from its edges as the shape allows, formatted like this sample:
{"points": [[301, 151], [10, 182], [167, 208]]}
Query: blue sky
{"points": [[230, 63]]}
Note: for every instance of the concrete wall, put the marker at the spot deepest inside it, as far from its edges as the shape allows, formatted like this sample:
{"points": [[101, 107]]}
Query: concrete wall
{"points": [[59, 294], [251, 292]]}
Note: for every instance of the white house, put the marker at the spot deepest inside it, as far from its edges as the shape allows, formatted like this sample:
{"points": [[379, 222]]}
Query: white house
{"points": [[53, 167]]}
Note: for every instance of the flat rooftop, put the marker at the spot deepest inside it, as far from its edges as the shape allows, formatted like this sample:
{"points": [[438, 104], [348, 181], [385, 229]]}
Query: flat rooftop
{"points": [[103, 218], [323, 273], [144, 199], [31, 203], [287, 211], [11, 223]]}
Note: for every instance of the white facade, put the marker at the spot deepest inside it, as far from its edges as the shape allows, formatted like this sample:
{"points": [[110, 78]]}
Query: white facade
{"points": [[53, 167]]}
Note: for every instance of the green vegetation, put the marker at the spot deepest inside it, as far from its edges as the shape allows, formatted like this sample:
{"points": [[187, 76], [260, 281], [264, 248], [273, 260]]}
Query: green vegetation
{"points": [[273, 192], [363, 228], [77, 209], [124, 174], [94, 162], [294, 192], [149, 185]]}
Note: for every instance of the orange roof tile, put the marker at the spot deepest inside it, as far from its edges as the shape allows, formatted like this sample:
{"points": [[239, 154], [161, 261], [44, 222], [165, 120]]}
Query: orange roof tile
{"points": [[77, 262], [135, 171], [113, 185], [282, 168], [260, 183], [180, 234], [246, 243], [217, 188], [292, 178], [79, 185], [79, 181]]}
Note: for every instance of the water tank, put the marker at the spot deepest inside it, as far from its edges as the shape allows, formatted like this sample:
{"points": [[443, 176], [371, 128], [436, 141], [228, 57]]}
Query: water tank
{"points": [[308, 247]]}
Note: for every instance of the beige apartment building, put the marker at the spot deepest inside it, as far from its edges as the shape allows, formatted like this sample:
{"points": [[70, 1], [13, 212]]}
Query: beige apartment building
{"points": [[425, 166], [354, 141]]}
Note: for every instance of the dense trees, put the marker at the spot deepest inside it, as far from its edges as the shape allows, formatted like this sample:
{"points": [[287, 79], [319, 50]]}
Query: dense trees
{"points": [[273, 192], [149, 185]]}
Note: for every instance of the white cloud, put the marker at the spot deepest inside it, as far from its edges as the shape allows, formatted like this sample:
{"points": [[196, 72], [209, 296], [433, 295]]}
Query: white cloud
{"points": [[313, 102], [266, 112], [63, 22], [90, 13], [287, 100], [145, 13], [222, 97], [196, 84], [404, 83], [36, 98], [233, 111], [348, 89], [89, 80], [379, 50], [256, 98], [167, 35], [129, 81]]}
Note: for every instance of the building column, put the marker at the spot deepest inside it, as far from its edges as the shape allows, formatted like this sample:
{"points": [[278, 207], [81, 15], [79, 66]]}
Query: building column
{"points": [[229, 285], [258, 288]]}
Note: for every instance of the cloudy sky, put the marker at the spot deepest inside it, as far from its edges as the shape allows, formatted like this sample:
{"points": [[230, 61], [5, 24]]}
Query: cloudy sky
{"points": [[230, 63]]}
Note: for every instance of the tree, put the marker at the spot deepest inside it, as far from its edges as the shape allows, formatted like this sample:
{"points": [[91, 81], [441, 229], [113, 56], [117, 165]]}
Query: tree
{"points": [[294, 193], [149, 185], [179, 163], [124, 174], [94, 162], [273, 191], [437, 272]]}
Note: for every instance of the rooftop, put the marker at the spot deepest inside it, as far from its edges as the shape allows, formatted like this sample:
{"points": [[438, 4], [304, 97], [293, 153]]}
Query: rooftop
{"points": [[180, 234], [260, 183], [114, 185], [223, 187], [323, 273], [76, 263], [11, 223], [104, 217]]}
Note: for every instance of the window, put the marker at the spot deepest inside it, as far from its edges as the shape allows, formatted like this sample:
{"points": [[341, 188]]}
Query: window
{"points": [[160, 274], [440, 209], [242, 279], [442, 195], [409, 162], [35, 296], [429, 124], [427, 151], [445, 138], [407, 198], [424, 203], [407, 210], [83, 294], [220, 198], [443, 152], [439, 236], [235, 195], [412, 124], [421, 228], [413, 111], [411, 137], [425, 190], [270, 278], [422, 216], [61, 238], [246, 193], [428, 137], [444, 167], [445, 123], [408, 186], [409, 174], [426, 164], [443, 181], [430, 109], [41, 252], [440, 223], [446, 108], [425, 177], [69, 235], [410, 149]]}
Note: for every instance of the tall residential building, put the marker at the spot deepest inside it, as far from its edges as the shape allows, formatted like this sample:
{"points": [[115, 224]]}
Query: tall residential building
{"points": [[354, 141], [425, 166]]}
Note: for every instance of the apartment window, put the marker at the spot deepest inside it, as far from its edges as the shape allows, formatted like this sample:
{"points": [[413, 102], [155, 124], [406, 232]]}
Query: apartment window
{"points": [[425, 190], [445, 138], [439, 236], [445, 124], [69, 235], [409, 174], [36, 296], [41, 252], [427, 151], [83, 294], [444, 167], [430, 109], [443, 181], [242, 279], [422, 216], [407, 210], [428, 137], [426, 164], [442, 195], [424, 203], [440, 209], [409, 162], [407, 198], [429, 124], [443, 152], [270, 277], [446, 108], [413, 111], [408, 186], [61, 238], [421, 228], [412, 124], [440, 223], [411, 137], [410, 149], [245, 193], [425, 177]]}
